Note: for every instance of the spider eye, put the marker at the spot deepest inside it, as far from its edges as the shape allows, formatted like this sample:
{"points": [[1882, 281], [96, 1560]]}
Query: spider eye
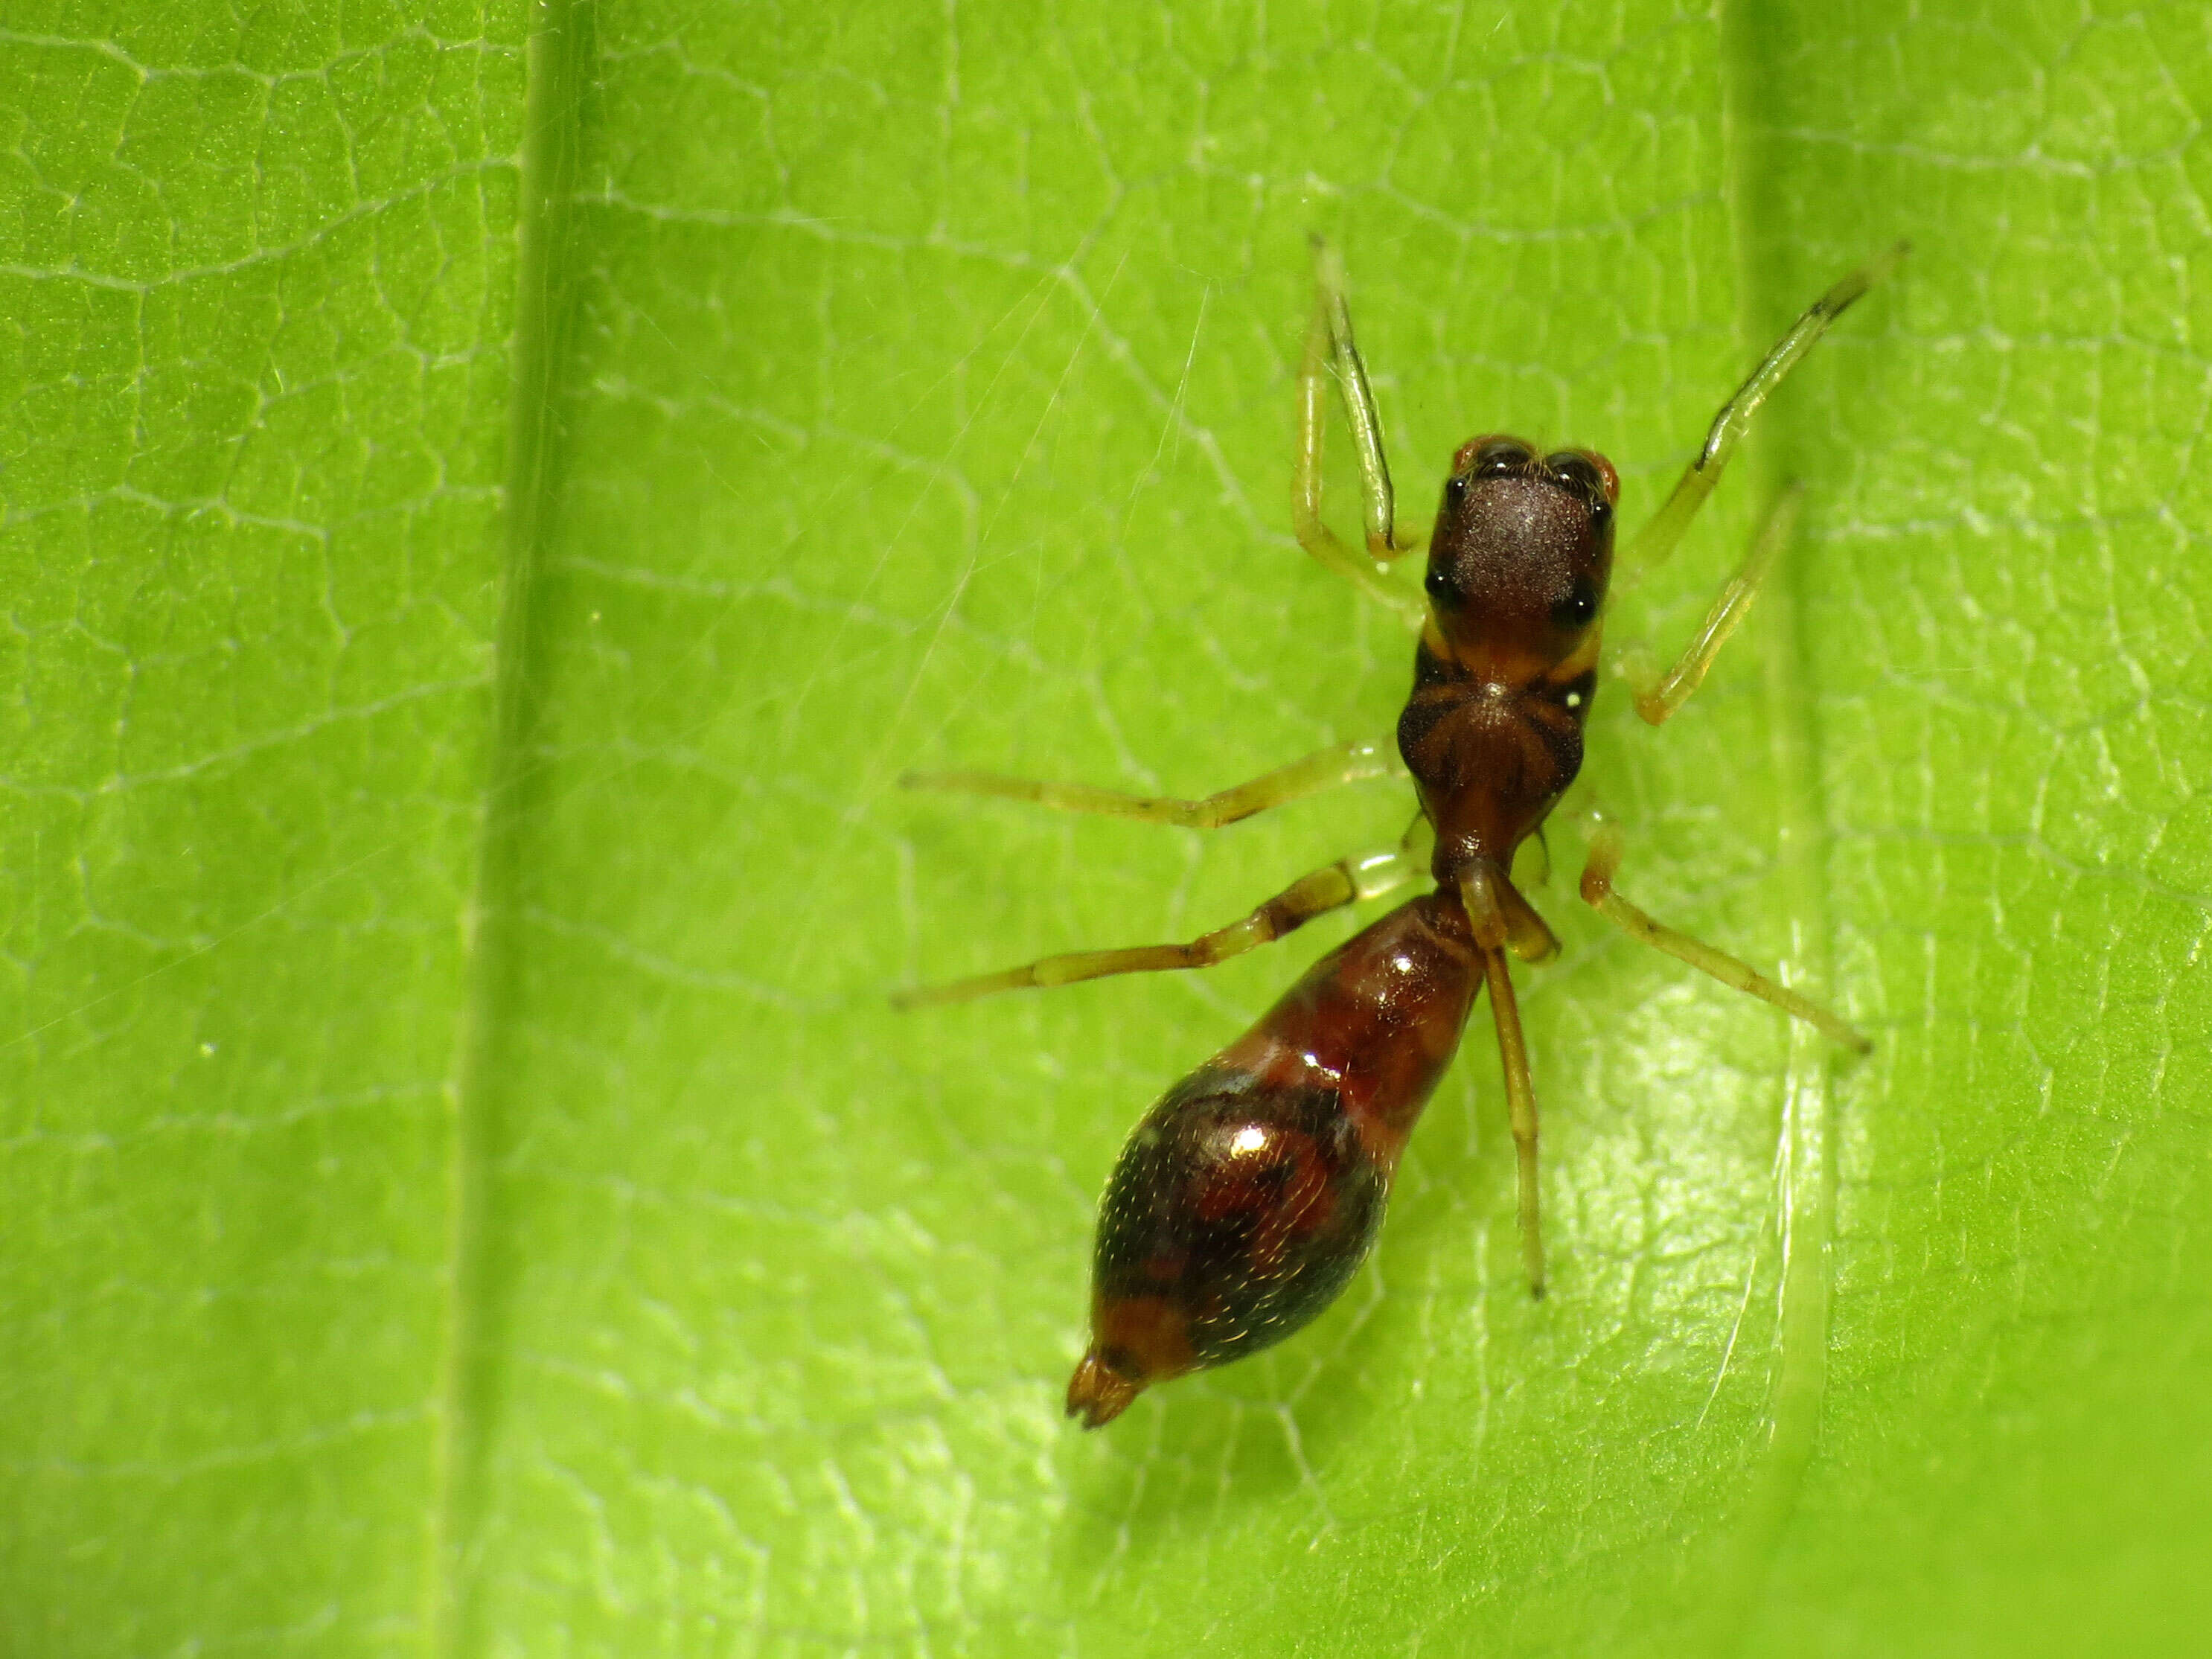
{"points": [[1501, 456], [1573, 469], [1589, 474], [1578, 608]]}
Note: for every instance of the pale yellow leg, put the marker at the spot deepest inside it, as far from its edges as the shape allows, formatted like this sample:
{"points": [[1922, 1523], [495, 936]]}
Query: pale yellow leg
{"points": [[1493, 925], [1659, 537], [1332, 887], [1324, 768], [1521, 1112], [1657, 697], [1331, 351], [1598, 892]]}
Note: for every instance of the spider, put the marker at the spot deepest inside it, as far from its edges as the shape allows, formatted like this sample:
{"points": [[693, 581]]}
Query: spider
{"points": [[1247, 1196]]}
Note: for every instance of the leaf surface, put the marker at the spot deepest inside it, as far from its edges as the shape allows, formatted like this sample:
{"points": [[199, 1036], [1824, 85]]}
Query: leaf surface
{"points": [[470, 1193]]}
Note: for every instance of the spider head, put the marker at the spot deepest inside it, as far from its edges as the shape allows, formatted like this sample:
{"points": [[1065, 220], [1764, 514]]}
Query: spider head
{"points": [[1521, 555]]}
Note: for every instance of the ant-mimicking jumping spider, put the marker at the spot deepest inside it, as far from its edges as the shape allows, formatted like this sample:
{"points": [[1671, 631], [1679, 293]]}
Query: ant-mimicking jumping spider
{"points": [[1246, 1198]]}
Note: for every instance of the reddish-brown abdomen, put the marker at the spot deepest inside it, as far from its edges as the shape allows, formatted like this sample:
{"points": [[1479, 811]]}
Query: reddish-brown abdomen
{"points": [[1248, 1196]]}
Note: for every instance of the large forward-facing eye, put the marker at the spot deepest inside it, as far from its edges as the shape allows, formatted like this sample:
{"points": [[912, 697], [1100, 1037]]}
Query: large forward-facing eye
{"points": [[1501, 457], [1582, 474]]}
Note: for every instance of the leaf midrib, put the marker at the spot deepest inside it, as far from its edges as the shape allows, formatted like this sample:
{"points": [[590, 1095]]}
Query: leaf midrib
{"points": [[558, 50]]}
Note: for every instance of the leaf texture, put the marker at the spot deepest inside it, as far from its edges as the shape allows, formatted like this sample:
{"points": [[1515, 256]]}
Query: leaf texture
{"points": [[487, 524]]}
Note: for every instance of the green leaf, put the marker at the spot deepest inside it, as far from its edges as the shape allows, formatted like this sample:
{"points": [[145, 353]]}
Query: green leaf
{"points": [[258, 273], [485, 526]]}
